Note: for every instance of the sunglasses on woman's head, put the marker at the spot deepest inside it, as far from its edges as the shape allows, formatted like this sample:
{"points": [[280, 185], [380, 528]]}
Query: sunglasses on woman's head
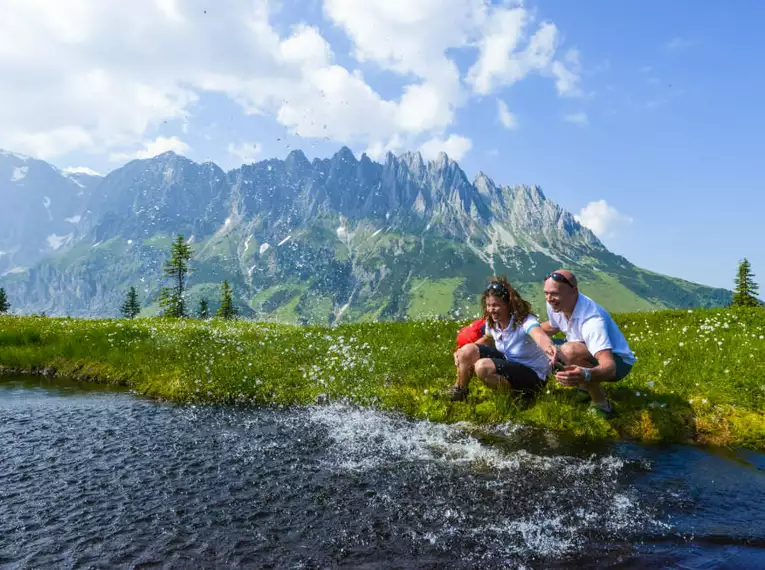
{"points": [[499, 290]]}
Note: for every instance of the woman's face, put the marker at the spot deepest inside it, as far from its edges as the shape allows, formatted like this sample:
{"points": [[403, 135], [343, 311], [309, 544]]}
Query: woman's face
{"points": [[497, 309]]}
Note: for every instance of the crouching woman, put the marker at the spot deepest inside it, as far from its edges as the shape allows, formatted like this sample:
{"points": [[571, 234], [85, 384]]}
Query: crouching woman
{"points": [[515, 353]]}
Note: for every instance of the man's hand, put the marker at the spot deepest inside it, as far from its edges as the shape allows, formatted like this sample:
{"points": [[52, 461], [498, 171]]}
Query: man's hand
{"points": [[570, 376]]}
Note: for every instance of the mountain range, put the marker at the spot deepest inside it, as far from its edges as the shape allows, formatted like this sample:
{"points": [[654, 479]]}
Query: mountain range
{"points": [[330, 240]]}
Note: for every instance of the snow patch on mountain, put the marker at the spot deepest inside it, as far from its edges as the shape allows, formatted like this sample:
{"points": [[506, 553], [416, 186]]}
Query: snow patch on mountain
{"points": [[19, 173], [56, 241]]}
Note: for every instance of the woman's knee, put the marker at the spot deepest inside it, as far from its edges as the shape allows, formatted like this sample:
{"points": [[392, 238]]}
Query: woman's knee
{"points": [[468, 353], [484, 367]]}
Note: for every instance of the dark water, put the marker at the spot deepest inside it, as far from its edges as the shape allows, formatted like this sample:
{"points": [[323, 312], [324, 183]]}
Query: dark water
{"points": [[94, 479]]}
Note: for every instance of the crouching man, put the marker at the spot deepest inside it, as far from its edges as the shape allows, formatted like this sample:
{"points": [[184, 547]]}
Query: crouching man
{"points": [[594, 351]]}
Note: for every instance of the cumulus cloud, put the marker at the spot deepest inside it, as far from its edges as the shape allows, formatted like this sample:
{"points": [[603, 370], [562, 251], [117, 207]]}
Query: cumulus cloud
{"points": [[118, 71], [567, 74], [455, 146], [152, 148], [378, 149], [580, 119], [245, 152], [603, 219], [508, 119]]}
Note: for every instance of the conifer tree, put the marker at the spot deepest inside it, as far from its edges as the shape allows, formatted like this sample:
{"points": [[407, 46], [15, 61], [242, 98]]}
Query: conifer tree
{"points": [[226, 309], [177, 268], [4, 304], [745, 294], [203, 311], [130, 308]]}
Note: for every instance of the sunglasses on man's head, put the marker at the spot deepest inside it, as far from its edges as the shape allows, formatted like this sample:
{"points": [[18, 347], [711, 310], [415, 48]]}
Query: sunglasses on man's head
{"points": [[560, 278]]}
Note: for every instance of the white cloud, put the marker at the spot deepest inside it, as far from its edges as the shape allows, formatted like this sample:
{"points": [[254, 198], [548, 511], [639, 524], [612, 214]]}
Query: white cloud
{"points": [[152, 148], [246, 153], [604, 220], [378, 149], [118, 71], [508, 119], [580, 119], [455, 146], [81, 170], [567, 75]]}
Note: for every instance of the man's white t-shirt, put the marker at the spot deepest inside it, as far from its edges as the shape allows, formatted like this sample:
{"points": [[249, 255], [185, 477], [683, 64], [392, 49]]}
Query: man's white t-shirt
{"points": [[518, 346], [590, 323]]}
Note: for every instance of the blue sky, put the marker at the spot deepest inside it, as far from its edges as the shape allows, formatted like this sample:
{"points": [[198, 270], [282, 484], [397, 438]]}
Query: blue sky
{"points": [[641, 117]]}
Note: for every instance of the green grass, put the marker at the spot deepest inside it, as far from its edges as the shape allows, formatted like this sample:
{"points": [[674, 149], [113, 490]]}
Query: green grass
{"points": [[699, 377], [431, 297]]}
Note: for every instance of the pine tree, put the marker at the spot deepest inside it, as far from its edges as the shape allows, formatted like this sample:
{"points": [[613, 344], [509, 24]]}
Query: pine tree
{"points": [[130, 308], [745, 294], [226, 310], [177, 268], [4, 304], [203, 312]]}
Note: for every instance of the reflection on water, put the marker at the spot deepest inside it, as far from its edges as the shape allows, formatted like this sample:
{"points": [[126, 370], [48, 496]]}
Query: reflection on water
{"points": [[102, 478]]}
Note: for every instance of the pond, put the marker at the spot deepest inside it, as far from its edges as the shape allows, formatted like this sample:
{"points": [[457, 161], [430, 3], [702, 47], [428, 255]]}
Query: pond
{"points": [[94, 477]]}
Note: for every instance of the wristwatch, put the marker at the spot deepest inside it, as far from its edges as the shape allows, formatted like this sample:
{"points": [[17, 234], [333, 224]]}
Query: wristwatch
{"points": [[587, 375]]}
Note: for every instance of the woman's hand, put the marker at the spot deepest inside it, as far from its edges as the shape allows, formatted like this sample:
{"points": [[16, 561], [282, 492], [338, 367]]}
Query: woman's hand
{"points": [[552, 353]]}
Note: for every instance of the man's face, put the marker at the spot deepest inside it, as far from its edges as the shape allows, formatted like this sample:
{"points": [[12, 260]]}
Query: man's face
{"points": [[560, 296]]}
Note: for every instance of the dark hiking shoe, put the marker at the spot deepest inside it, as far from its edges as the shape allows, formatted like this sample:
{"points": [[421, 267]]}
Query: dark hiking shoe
{"points": [[458, 394]]}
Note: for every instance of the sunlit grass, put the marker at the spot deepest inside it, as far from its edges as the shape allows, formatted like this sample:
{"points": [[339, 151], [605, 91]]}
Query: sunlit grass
{"points": [[699, 377]]}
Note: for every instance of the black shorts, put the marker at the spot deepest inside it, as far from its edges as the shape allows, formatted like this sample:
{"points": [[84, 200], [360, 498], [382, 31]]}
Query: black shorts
{"points": [[519, 376]]}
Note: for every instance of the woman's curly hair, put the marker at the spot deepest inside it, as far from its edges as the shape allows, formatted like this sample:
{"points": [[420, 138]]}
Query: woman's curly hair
{"points": [[500, 288]]}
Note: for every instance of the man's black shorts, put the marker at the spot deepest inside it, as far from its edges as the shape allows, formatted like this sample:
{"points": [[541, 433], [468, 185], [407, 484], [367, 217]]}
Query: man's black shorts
{"points": [[519, 376]]}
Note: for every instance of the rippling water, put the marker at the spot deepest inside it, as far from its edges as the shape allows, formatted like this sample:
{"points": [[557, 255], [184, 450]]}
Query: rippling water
{"points": [[90, 478]]}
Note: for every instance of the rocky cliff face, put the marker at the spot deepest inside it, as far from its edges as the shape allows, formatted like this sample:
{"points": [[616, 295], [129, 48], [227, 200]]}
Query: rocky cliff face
{"points": [[303, 241], [41, 209]]}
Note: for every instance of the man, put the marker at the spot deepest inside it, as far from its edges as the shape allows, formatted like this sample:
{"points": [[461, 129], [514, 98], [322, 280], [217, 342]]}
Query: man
{"points": [[595, 350]]}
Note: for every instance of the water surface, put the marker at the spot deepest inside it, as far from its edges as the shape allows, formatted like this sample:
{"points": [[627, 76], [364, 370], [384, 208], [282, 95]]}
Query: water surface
{"points": [[94, 478]]}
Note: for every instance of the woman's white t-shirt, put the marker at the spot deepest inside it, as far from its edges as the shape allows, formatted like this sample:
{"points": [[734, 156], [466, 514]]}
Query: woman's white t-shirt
{"points": [[518, 346]]}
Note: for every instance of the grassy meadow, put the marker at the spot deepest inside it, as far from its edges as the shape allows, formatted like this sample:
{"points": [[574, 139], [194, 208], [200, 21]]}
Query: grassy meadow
{"points": [[700, 375]]}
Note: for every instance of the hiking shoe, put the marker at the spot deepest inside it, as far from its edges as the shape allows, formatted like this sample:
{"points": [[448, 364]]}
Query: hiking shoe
{"points": [[582, 396], [458, 394], [604, 412]]}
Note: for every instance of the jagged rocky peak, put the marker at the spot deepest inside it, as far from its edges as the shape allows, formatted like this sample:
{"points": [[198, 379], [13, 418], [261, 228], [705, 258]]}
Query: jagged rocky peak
{"points": [[296, 161], [485, 185], [413, 160], [344, 155]]}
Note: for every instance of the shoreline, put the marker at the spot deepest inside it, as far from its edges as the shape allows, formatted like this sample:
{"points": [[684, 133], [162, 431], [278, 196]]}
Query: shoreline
{"points": [[706, 391]]}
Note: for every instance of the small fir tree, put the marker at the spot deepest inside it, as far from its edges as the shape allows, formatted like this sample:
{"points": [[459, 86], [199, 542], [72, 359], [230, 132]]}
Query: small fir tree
{"points": [[131, 307], [203, 311], [4, 304], [745, 294], [177, 268], [226, 309]]}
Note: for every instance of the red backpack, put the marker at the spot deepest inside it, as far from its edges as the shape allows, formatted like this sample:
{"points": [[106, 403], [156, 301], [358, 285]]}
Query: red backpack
{"points": [[471, 332]]}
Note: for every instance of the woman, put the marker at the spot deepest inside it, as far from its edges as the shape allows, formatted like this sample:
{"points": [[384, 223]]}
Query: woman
{"points": [[513, 353]]}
